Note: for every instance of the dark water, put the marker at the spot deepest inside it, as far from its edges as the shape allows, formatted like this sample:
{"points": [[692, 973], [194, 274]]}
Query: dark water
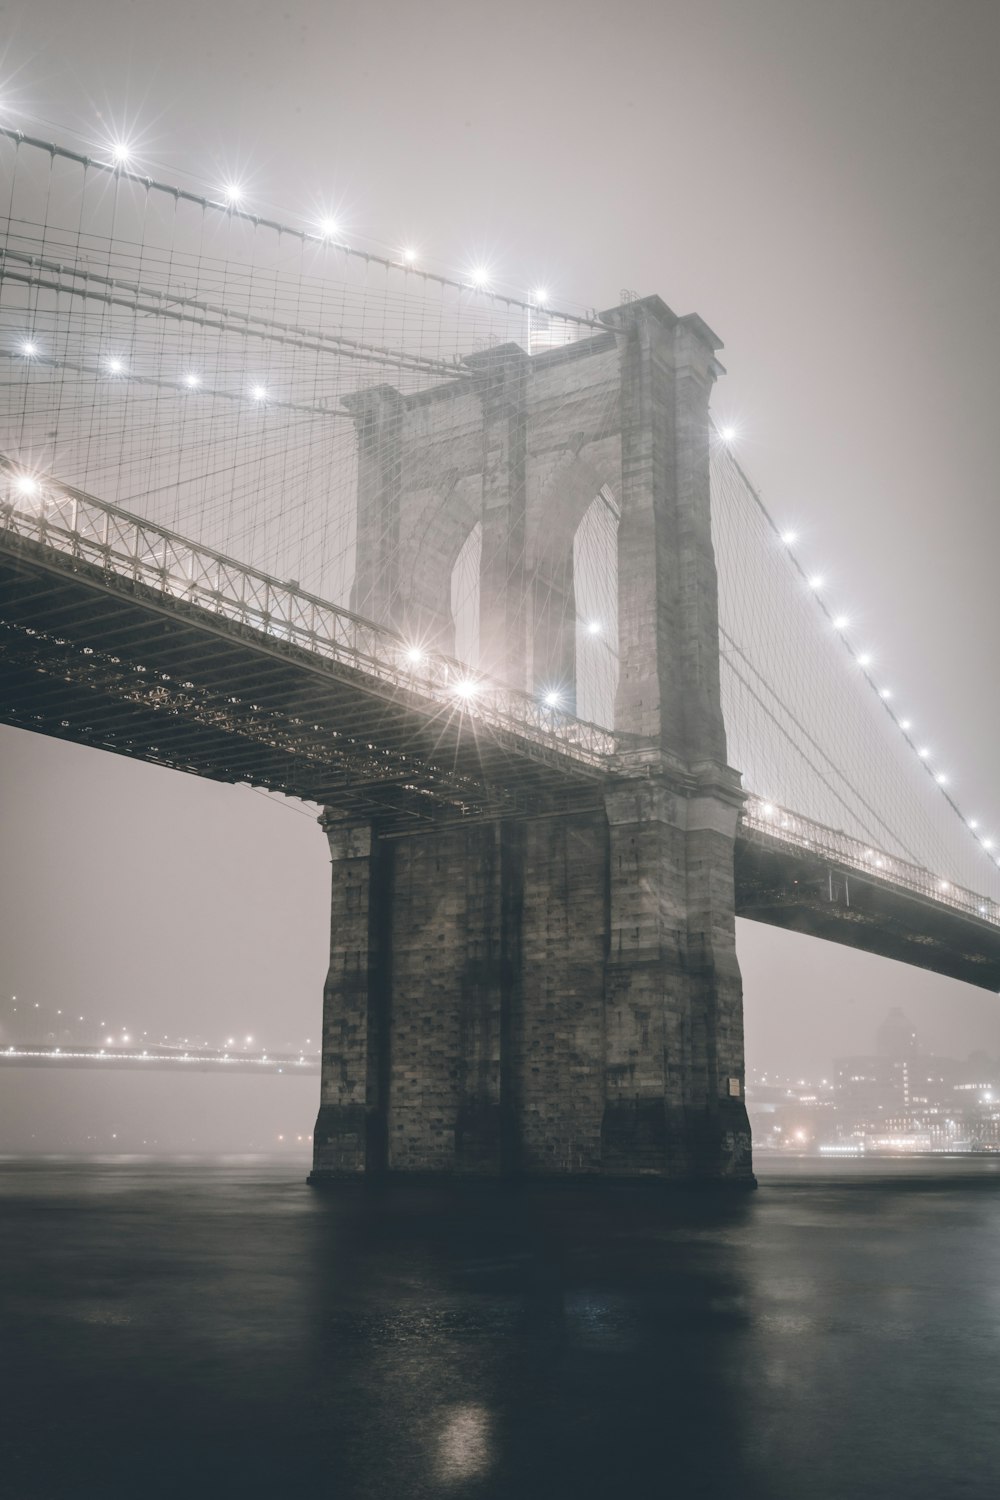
{"points": [[174, 1329]]}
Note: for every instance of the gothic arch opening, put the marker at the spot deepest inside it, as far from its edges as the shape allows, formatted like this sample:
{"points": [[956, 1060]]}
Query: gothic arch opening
{"points": [[595, 578], [465, 597]]}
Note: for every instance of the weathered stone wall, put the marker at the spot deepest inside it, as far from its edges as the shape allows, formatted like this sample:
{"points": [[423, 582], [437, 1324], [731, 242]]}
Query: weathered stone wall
{"points": [[558, 1052]]}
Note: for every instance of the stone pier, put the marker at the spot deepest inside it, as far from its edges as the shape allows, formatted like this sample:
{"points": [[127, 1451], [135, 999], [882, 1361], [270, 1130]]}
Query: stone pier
{"points": [[557, 992]]}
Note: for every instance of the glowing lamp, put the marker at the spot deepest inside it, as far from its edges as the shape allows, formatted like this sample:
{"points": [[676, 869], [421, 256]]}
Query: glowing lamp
{"points": [[552, 700], [192, 381], [258, 392], [465, 688], [26, 484], [115, 366], [816, 581], [841, 622], [29, 348], [789, 537]]}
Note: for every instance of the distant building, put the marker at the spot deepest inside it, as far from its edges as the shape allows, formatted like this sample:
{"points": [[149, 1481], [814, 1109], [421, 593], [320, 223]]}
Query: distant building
{"points": [[897, 1099]]}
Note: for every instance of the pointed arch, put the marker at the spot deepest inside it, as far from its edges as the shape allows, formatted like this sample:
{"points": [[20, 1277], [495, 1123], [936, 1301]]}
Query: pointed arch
{"points": [[595, 576]]}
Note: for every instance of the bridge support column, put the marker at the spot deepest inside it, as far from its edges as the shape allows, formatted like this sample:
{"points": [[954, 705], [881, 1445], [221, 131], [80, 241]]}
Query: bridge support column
{"points": [[674, 1080], [378, 418], [350, 1133], [647, 1021], [502, 375]]}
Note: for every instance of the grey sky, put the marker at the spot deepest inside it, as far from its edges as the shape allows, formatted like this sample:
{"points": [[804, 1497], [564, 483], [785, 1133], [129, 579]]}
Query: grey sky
{"points": [[818, 180]]}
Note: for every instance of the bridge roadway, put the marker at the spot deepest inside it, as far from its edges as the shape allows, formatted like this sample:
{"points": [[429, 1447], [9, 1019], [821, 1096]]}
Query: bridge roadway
{"points": [[118, 634], [156, 1059]]}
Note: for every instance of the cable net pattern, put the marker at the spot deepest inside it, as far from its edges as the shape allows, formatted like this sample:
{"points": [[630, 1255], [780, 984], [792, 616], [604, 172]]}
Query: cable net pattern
{"points": [[190, 364], [805, 719]]}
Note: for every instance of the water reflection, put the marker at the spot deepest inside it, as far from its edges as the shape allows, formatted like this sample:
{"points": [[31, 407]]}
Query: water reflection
{"points": [[463, 1449], [253, 1337]]}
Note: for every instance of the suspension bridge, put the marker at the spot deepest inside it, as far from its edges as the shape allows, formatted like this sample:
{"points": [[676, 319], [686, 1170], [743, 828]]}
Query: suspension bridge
{"points": [[478, 578]]}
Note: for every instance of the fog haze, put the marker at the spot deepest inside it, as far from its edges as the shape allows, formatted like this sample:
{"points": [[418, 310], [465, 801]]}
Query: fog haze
{"points": [[817, 180]]}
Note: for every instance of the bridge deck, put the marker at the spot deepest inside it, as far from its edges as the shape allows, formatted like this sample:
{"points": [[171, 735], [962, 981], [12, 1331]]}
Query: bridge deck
{"points": [[113, 662], [804, 890], [119, 635]]}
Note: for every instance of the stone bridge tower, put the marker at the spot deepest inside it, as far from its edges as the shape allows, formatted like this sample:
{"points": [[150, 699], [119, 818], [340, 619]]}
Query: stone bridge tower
{"points": [[558, 994]]}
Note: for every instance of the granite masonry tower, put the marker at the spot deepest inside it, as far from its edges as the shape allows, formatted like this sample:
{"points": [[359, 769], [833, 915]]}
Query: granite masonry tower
{"points": [[557, 993]]}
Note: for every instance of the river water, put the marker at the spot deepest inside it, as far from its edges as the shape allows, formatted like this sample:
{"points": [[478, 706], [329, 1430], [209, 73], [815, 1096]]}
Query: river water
{"points": [[182, 1329]]}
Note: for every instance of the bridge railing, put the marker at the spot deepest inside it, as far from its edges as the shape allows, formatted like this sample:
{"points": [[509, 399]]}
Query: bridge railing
{"points": [[126, 546], [765, 818]]}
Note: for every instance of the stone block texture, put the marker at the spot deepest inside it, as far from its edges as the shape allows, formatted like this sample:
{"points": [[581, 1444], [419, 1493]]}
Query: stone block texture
{"points": [[554, 994]]}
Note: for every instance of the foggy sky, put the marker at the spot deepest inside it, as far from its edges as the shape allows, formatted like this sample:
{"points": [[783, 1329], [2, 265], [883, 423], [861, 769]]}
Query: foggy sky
{"points": [[817, 179]]}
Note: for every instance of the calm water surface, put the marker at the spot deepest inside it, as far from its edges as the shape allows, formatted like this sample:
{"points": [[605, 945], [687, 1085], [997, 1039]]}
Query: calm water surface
{"points": [[188, 1329]]}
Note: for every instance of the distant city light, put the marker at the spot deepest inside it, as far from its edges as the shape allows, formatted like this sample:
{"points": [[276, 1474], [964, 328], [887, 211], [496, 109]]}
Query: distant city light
{"points": [[593, 627], [28, 348], [408, 256], [768, 810], [192, 381], [816, 581], [114, 365], [233, 193], [540, 296], [329, 228], [923, 752], [941, 779], [864, 660], [906, 723], [885, 692], [121, 153], [466, 688], [552, 700], [414, 655], [841, 622], [987, 843], [258, 392], [479, 276], [26, 484], [789, 538], [973, 823], [728, 434]]}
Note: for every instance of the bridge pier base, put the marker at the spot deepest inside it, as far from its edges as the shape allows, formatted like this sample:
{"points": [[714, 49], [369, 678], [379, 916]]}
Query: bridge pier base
{"points": [[674, 1079], [349, 1138], [556, 996]]}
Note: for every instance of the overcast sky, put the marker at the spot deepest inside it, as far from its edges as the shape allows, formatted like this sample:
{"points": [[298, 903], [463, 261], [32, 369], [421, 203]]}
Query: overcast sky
{"points": [[818, 179]]}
